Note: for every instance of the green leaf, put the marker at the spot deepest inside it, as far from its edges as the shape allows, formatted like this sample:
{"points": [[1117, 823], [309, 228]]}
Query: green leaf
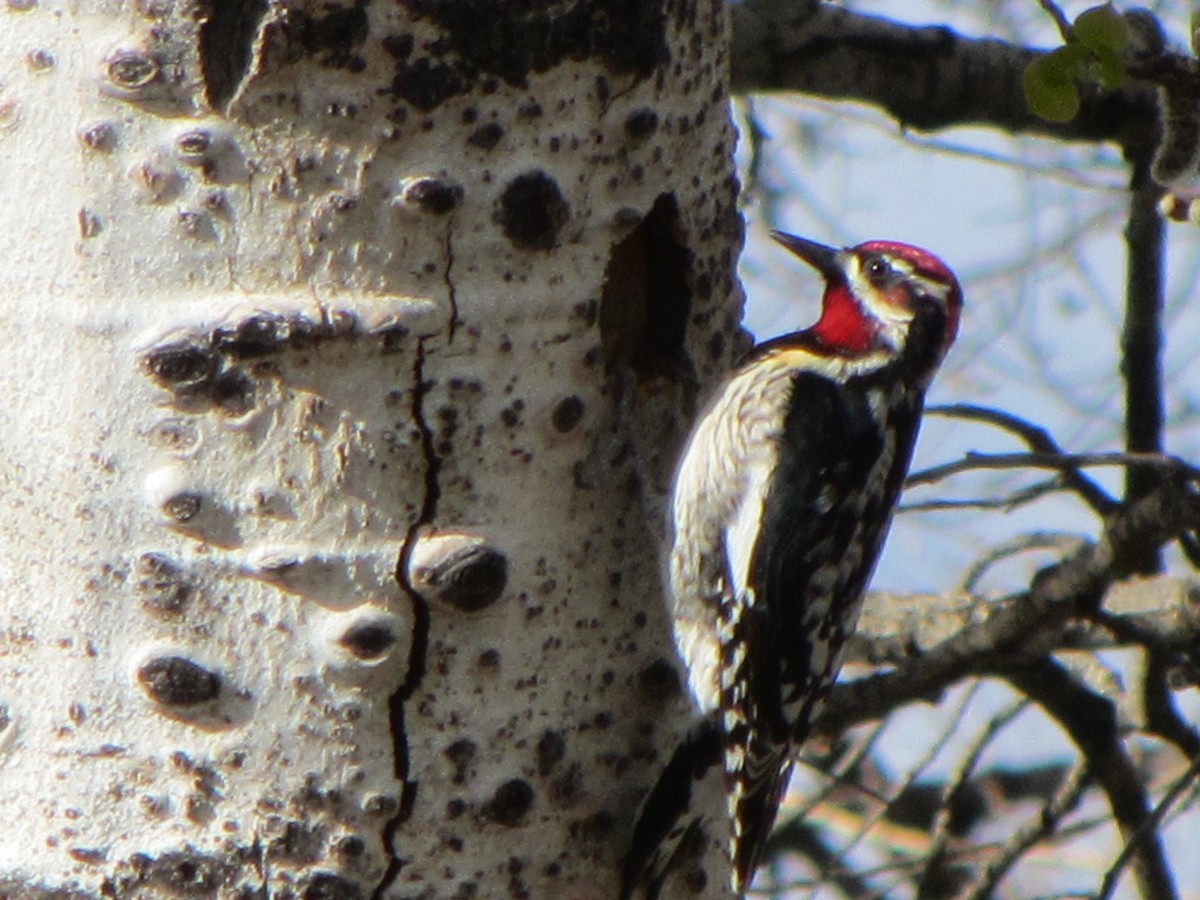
{"points": [[1109, 69], [1049, 82], [1102, 30], [1066, 63]]}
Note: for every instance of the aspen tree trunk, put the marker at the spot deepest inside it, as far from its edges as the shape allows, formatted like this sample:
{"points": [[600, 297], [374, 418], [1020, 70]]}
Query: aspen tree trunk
{"points": [[347, 347]]}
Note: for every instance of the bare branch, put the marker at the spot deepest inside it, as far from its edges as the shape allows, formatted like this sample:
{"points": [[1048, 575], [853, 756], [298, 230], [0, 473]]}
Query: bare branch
{"points": [[1157, 613], [1142, 343], [1147, 831], [925, 77], [1162, 716], [1022, 628]]}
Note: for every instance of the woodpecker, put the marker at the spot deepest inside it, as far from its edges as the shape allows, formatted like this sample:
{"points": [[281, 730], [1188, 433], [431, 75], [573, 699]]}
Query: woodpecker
{"points": [[780, 505]]}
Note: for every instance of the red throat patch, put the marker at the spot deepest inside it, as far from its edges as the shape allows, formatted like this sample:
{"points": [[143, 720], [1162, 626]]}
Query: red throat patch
{"points": [[843, 326]]}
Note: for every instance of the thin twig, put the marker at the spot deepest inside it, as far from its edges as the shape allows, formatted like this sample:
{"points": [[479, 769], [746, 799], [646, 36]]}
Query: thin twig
{"points": [[1062, 172], [806, 839], [1061, 22], [1033, 832], [1038, 540], [1091, 722], [1038, 439], [915, 771], [907, 866], [1007, 503], [839, 779], [972, 462], [938, 858]]}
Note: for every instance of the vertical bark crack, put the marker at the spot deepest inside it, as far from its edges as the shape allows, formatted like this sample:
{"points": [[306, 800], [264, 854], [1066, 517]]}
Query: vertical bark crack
{"points": [[453, 296], [416, 663], [433, 463]]}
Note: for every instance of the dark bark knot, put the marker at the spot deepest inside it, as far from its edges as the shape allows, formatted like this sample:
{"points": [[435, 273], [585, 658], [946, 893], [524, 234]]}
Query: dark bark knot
{"points": [[175, 681], [533, 211], [458, 569]]}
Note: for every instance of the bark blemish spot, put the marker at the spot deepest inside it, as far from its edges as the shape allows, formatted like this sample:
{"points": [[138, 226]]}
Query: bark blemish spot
{"points": [[131, 70], [175, 681], [180, 872], [425, 84], [297, 842], [461, 754], [100, 137], [458, 569], [430, 195], [659, 681], [551, 748], [486, 137], [182, 507], [350, 846], [368, 640], [627, 36], [641, 124], [180, 367], [489, 660], [533, 211], [162, 586], [328, 886], [595, 828], [510, 803], [568, 414]]}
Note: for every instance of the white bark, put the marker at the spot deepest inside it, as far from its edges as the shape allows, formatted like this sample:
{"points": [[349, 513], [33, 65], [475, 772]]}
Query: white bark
{"points": [[291, 296]]}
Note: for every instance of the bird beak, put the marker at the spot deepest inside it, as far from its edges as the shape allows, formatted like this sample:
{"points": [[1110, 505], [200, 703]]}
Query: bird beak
{"points": [[823, 259]]}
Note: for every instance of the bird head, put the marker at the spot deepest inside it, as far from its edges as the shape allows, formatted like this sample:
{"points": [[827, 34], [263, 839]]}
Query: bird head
{"points": [[882, 295]]}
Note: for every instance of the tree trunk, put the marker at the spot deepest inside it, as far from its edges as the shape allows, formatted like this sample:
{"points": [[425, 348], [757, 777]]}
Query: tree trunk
{"points": [[347, 351]]}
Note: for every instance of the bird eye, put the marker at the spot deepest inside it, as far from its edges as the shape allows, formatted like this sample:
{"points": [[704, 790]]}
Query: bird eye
{"points": [[878, 270]]}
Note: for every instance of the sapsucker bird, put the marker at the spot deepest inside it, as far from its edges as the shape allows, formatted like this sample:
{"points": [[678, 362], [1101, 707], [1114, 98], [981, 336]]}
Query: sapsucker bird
{"points": [[780, 506]]}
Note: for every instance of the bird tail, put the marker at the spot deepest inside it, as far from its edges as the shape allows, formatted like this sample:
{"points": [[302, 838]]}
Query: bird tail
{"points": [[666, 819], [754, 789], [756, 775]]}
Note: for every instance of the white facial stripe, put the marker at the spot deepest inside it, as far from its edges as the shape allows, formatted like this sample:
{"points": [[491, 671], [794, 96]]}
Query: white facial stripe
{"points": [[892, 318], [938, 290]]}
